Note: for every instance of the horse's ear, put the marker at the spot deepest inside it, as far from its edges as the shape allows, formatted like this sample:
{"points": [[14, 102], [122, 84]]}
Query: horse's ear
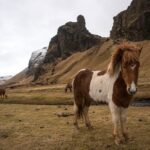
{"points": [[140, 47], [140, 50]]}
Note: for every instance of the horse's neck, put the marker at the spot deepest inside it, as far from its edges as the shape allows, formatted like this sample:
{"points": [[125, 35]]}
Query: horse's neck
{"points": [[116, 74], [120, 95], [120, 84]]}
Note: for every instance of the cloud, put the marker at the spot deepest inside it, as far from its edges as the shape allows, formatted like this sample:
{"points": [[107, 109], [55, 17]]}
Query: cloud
{"points": [[28, 25]]}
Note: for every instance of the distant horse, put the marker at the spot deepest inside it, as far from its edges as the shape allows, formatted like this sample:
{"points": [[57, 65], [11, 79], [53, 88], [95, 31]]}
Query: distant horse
{"points": [[3, 93], [68, 86], [116, 86]]}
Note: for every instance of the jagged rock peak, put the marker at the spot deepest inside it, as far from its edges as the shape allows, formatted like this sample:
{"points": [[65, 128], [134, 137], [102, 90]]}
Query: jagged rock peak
{"points": [[81, 20]]}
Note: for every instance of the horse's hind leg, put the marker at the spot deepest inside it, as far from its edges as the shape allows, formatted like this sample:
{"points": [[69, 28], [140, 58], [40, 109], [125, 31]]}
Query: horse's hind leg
{"points": [[76, 116], [86, 117]]}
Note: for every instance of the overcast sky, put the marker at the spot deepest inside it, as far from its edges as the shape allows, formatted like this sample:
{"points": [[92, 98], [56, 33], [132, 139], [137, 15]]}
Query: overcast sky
{"points": [[28, 25]]}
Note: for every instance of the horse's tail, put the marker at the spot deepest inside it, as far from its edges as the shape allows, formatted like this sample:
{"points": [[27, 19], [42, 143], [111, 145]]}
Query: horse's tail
{"points": [[79, 84], [79, 101]]}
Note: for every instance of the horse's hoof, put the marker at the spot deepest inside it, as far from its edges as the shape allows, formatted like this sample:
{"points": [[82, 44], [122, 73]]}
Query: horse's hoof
{"points": [[118, 141], [76, 126], [89, 126], [125, 136]]}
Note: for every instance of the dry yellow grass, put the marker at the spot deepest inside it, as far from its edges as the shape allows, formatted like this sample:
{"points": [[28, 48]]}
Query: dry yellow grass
{"points": [[35, 127]]}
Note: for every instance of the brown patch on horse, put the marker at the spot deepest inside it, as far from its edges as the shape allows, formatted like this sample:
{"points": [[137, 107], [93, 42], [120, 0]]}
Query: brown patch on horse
{"points": [[124, 52], [81, 88], [101, 73]]}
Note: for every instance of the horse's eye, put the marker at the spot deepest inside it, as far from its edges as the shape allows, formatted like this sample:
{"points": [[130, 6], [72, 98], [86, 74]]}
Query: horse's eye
{"points": [[132, 65], [124, 66]]}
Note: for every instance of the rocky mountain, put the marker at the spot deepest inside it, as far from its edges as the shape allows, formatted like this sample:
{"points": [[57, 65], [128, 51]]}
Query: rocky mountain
{"points": [[70, 38], [133, 23]]}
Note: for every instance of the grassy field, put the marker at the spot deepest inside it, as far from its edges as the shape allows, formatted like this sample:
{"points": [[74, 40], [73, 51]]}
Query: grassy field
{"points": [[36, 127], [52, 95]]}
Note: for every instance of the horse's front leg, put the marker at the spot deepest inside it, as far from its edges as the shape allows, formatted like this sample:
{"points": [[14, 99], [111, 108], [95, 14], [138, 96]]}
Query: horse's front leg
{"points": [[123, 120], [115, 112]]}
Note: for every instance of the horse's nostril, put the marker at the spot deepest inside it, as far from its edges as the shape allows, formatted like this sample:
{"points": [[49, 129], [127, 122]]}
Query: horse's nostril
{"points": [[128, 90], [131, 92]]}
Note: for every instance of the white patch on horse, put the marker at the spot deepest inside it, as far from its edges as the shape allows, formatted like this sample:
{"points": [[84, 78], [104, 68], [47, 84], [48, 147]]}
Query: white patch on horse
{"points": [[82, 70], [133, 67], [115, 111], [101, 86], [133, 87]]}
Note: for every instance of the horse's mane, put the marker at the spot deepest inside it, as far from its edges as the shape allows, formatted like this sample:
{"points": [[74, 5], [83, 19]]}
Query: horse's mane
{"points": [[124, 52]]}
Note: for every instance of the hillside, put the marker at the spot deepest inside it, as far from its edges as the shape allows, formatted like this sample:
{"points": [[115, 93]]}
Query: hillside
{"points": [[99, 57]]}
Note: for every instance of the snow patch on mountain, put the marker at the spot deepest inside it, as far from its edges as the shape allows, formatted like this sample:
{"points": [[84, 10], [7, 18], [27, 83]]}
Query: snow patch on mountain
{"points": [[37, 58], [4, 79]]}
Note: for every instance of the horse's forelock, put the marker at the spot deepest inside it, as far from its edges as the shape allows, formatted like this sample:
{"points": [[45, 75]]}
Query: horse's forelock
{"points": [[130, 56]]}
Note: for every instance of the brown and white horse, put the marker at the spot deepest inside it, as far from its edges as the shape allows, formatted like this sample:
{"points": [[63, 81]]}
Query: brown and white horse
{"points": [[116, 86]]}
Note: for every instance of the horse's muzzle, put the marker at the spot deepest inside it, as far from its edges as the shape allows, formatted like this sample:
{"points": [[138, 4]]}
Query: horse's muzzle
{"points": [[131, 91]]}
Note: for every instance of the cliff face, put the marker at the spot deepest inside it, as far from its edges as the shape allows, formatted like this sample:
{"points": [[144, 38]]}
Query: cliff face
{"points": [[133, 23], [70, 38]]}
